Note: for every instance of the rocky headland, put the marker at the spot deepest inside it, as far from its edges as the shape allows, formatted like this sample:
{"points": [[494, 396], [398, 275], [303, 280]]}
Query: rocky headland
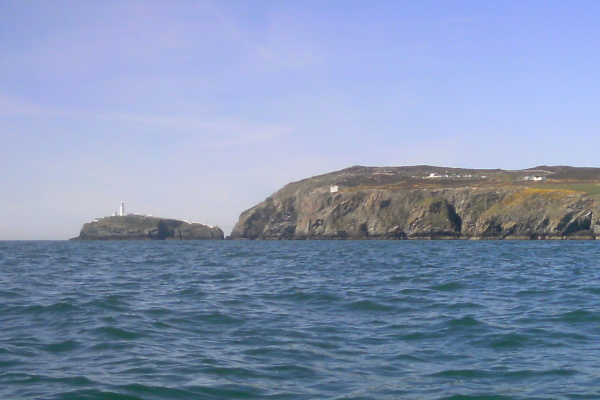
{"points": [[425, 202], [139, 227]]}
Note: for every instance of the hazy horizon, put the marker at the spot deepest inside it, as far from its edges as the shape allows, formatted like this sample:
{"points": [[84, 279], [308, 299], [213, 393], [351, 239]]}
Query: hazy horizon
{"points": [[200, 110]]}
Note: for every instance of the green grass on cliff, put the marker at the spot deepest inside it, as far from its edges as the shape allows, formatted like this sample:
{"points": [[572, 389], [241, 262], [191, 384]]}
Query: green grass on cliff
{"points": [[587, 187]]}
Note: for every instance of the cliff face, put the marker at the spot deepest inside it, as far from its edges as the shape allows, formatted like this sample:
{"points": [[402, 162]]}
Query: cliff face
{"points": [[423, 203], [135, 227]]}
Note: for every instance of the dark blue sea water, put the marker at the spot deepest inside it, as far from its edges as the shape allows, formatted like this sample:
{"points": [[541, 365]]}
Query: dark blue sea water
{"points": [[300, 320]]}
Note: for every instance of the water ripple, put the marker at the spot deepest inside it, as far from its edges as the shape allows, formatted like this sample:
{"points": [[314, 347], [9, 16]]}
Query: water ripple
{"points": [[299, 320]]}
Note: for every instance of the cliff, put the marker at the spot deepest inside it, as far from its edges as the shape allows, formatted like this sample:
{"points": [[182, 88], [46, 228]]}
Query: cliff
{"points": [[137, 227], [425, 202]]}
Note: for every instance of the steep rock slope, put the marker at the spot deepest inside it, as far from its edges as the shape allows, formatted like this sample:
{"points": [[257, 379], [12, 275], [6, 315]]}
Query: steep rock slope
{"points": [[430, 203]]}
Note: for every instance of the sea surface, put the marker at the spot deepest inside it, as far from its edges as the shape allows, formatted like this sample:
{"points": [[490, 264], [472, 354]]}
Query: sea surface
{"points": [[300, 320]]}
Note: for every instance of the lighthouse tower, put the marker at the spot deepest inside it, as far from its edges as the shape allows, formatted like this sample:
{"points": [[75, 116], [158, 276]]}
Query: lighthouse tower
{"points": [[122, 209]]}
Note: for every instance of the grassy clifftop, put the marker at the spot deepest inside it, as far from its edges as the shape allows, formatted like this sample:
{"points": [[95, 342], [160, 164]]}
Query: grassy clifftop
{"points": [[425, 176]]}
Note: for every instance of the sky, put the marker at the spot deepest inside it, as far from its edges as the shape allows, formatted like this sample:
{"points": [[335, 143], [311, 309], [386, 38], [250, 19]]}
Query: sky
{"points": [[199, 110]]}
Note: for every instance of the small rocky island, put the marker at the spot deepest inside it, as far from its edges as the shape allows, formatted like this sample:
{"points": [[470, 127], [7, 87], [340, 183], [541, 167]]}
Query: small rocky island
{"points": [[142, 227], [427, 202]]}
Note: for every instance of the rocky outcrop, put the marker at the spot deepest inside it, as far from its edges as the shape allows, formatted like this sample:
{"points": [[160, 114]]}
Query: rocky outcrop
{"points": [[426, 203], [136, 227]]}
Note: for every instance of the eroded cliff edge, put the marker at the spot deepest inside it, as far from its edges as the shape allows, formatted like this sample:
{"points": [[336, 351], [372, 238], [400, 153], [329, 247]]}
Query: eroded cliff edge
{"points": [[424, 202], [137, 227]]}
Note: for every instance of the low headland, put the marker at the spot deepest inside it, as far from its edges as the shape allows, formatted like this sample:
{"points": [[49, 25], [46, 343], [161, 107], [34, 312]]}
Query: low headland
{"points": [[427, 202]]}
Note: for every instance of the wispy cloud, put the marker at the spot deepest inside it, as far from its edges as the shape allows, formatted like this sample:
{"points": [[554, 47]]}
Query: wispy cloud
{"points": [[250, 134], [280, 44], [215, 132], [219, 133], [91, 41], [9, 105]]}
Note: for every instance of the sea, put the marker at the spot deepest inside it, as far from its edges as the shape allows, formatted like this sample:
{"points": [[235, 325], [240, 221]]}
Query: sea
{"points": [[295, 320]]}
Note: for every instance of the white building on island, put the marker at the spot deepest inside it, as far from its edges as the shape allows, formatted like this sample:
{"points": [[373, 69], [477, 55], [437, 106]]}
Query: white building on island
{"points": [[535, 178]]}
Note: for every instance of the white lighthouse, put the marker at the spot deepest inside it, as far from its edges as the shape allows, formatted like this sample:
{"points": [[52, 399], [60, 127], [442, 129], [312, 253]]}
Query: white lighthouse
{"points": [[122, 209]]}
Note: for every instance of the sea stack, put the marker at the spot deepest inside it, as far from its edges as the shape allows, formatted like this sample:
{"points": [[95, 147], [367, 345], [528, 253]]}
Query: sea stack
{"points": [[142, 227]]}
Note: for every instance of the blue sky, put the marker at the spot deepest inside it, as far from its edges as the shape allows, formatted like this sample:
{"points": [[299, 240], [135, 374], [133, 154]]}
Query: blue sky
{"points": [[198, 110]]}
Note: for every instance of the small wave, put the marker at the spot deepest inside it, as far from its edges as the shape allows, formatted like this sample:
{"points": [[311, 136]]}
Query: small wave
{"points": [[222, 276], [161, 325], [507, 340], [461, 374], [580, 316], [193, 292], [417, 291], [118, 333], [591, 289], [158, 311], [328, 329], [400, 278], [448, 287], [301, 295], [292, 371], [20, 378], [95, 394], [4, 363], [111, 303], [140, 371], [558, 338], [368, 305], [527, 374], [464, 322], [12, 293], [478, 397], [532, 293], [109, 346], [227, 392], [408, 357], [465, 305], [60, 347], [232, 372], [59, 307], [261, 351], [325, 345], [220, 318], [71, 380], [418, 335]]}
